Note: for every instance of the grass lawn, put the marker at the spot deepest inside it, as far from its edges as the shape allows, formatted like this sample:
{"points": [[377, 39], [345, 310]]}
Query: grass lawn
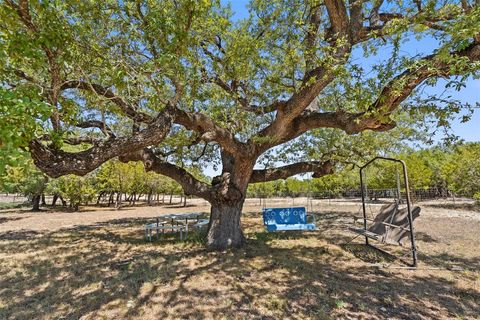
{"points": [[106, 270], [9, 205]]}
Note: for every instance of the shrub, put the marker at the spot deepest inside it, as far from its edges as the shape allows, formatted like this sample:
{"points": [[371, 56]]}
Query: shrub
{"points": [[476, 196]]}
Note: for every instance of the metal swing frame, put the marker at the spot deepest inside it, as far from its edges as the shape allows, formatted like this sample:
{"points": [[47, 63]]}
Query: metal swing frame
{"points": [[408, 200]]}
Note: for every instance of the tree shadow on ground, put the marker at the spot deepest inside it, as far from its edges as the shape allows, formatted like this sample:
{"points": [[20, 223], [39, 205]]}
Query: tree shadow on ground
{"points": [[17, 210], [422, 236], [367, 253], [108, 270], [450, 262], [456, 206], [5, 219], [19, 235], [178, 205]]}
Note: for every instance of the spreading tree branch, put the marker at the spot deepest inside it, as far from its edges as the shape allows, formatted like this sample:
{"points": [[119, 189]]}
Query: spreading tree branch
{"points": [[23, 11], [97, 124], [129, 109], [190, 185], [433, 65], [377, 117], [318, 168], [198, 122], [314, 81], [56, 162], [208, 130], [339, 21]]}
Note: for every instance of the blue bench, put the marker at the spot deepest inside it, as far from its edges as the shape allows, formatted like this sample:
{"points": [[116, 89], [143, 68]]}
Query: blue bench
{"points": [[280, 219]]}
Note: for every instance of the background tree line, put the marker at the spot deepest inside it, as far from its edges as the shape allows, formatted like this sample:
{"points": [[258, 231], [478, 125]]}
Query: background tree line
{"points": [[445, 169], [113, 184]]}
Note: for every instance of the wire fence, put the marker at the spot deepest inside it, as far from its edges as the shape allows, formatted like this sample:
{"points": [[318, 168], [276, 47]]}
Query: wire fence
{"points": [[259, 198], [370, 194], [13, 198]]}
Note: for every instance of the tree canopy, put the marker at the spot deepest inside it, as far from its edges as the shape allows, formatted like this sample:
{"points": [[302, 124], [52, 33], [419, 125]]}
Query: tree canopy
{"points": [[176, 84]]}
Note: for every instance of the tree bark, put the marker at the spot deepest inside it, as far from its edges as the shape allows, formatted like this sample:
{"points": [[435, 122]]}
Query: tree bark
{"points": [[227, 196], [149, 198], [118, 202], [54, 200], [99, 197], [36, 202], [64, 203], [110, 199], [225, 230]]}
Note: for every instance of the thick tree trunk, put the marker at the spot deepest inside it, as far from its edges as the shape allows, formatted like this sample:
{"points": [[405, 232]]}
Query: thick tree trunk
{"points": [[64, 203], [228, 195], [225, 230], [149, 198], [118, 202], [36, 202], [110, 199], [99, 197], [54, 200]]}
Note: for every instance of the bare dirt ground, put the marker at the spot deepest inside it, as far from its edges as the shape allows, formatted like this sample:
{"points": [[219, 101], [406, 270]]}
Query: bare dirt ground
{"points": [[95, 264]]}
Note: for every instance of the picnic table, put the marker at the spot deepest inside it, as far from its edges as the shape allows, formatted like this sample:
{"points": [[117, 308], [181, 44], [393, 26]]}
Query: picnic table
{"points": [[178, 222], [178, 218]]}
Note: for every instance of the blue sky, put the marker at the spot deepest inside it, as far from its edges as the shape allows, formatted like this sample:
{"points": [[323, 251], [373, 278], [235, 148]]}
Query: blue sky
{"points": [[469, 131]]}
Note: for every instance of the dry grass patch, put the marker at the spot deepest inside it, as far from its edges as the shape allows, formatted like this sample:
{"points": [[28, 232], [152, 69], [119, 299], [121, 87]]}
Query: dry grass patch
{"points": [[107, 271]]}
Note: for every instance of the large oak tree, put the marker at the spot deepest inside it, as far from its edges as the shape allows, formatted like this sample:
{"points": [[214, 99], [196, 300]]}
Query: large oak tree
{"points": [[171, 83]]}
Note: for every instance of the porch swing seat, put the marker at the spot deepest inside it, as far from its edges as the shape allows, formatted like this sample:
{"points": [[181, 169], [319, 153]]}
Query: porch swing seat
{"points": [[366, 233], [390, 225], [287, 219]]}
